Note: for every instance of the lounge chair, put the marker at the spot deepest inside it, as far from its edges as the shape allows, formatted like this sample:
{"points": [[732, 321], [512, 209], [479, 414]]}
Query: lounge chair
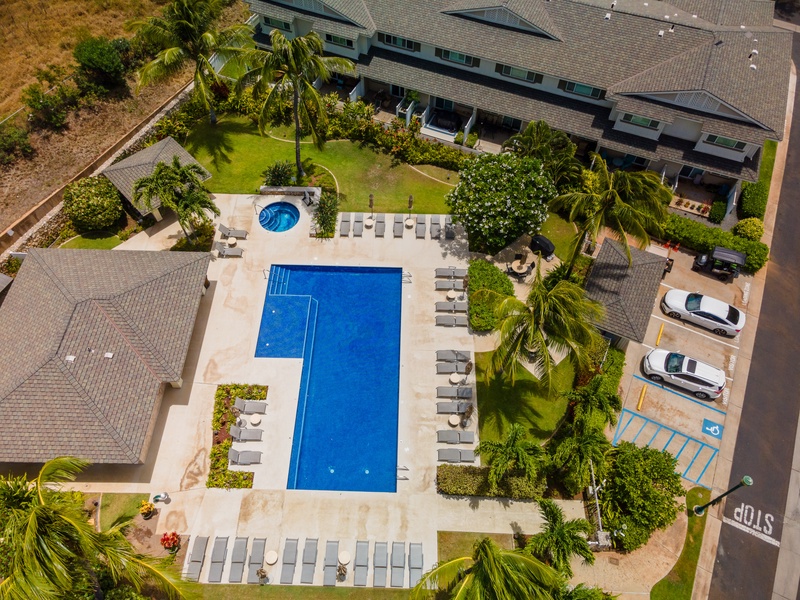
{"points": [[436, 228], [344, 228], [452, 408], [447, 368], [421, 227], [218, 559], [358, 225], [196, 558], [453, 355], [309, 561], [256, 561], [451, 307], [451, 436], [414, 564], [452, 321], [239, 234], [380, 225], [226, 252], [449, 229], [451, 272], [453, 455], [331, 564], [238, 556], [453, 392], [289, 561], [250, 407], [245, 435], [361, 564], [398, 564], [451, 284], [398, 226], [308, 198], [380, 559], [246, 457]]}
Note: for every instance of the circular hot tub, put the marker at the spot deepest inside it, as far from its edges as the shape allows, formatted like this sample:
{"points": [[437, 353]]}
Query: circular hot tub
{"points": [[279, 216]]}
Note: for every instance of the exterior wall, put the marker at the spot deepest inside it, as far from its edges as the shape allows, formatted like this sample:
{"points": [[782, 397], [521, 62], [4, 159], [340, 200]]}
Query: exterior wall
{"points": [[652, 134], [738, 156], [684, 129]]}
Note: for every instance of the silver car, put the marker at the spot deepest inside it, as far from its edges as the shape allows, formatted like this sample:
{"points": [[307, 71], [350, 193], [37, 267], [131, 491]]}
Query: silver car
{"points": [[713, 314], [703, 380]]}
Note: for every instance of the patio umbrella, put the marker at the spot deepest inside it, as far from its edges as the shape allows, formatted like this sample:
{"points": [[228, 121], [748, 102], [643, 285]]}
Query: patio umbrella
{"points": [[371, 203]]}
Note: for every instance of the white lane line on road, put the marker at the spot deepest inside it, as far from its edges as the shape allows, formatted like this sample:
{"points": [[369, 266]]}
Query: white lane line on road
{"points": [[674, 321], [746, 529]]}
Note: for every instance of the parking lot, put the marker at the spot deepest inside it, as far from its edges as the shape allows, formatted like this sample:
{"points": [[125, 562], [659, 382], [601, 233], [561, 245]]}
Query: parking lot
{"points": [[670, 418]]}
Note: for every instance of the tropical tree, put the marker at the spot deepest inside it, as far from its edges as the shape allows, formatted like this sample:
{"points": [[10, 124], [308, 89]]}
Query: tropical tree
{"points": [[491, 573], [560, 540], [288, 71], [185, 33], [627, 203], [515, 453], [583, 443], [52, 548], [550, 146], [596, 399]]}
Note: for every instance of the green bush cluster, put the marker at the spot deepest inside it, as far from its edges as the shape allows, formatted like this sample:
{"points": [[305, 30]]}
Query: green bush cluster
{"points": [[50, 99], [702, 238], [612, 370], [753, 202], [750, 229], [457, 480], [219, 476], [99, 63], [92, 203], [201, 240], [14, 143], [472, 139], [225, 396], [719, 208], [483, 275], [10, 266], [326, 214], [279, 173]]}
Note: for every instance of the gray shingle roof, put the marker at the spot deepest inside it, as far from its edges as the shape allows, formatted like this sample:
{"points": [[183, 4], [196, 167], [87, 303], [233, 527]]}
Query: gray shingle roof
{"points": [[532, 11], [140, 306], [128, 171], [319, 23], [627, 293]]}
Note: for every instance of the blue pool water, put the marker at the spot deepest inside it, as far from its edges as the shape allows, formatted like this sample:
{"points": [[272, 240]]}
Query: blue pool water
{"points": [[279, 216], [345, 324]]}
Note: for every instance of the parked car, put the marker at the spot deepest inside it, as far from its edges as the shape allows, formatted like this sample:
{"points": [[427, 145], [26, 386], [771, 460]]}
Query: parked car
{"points": [[703, 380], [713, 314]]}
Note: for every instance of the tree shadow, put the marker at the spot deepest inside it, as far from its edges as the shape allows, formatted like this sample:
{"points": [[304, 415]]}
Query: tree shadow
{"points": [[216, 140]]}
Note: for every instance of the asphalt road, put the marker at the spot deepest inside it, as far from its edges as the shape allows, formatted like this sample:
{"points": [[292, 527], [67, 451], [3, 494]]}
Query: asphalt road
{"points": [[748, 552]]}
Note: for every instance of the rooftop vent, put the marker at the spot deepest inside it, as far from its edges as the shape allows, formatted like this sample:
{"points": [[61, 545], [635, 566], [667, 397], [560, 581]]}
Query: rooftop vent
{"points": [[754, 52], [661, 33], [70, 358], [108, 355], [607, 17], [613, 4], [672, 29], [753, 67]]}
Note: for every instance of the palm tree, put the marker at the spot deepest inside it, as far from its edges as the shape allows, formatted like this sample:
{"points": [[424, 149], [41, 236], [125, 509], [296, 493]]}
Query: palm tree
{"points": [[553, 319], [560, 540], [628, 203], [594, 398], [583, 442], [512, 454], [186, 34], [52, 546], [289, 70], [491, 573], [550, 146]]}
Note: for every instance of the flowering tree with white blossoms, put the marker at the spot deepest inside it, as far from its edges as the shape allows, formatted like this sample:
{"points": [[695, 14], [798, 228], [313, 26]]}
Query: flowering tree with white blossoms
{"points": [[500, 197]]}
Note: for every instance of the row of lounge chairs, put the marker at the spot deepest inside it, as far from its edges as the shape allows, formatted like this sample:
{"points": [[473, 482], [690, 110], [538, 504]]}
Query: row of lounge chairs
{"points": [[399, 226], [222, 249], [250, 407], [244, 434], [455, 361], [218, 555]]}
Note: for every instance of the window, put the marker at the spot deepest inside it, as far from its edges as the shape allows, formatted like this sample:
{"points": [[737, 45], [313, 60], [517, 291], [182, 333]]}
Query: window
{"points": [[581, 89], [530, 76], [675, 362], [443, 104], [398, 42], [717, 140], [511, 123], [277, 24], [397, 91], [640, 121], [338, 40], [457, 57]]}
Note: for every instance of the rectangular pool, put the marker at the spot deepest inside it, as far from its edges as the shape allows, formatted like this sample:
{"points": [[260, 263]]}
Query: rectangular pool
{"points": [[345, 324]]}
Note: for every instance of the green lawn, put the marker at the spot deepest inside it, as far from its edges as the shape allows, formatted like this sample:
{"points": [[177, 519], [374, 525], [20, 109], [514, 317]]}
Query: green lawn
{"points": [[236, 156], [97, 240], [289, 592], [114, 506], [526, 402], [678, 583], [560, 232], [454, 544], [768, 161]]}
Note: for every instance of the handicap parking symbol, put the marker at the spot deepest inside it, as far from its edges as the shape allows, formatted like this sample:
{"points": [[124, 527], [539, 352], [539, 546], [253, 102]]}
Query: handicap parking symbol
{"points": [[712, 429]]}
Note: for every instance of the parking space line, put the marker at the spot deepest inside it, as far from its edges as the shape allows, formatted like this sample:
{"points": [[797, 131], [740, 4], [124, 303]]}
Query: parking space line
{"points": [[689, 398], [666, 285], [712, 338], [619, 433], [638, 433], [649, 347], [703, 472], [652, 439], [678, 455]]}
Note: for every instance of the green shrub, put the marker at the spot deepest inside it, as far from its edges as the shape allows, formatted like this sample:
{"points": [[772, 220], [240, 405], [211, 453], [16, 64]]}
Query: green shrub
{"points": [[459, 139], [218, 474], [696, 236], [99, 62], [483, 275], [456, 480], [279, 173], [472, 139], [326, 214], [750, 229], [201, 240], [50, 100], [92, 203], [718, 211], [753, 202], [10, 266], [612, 369], [14, 143]]}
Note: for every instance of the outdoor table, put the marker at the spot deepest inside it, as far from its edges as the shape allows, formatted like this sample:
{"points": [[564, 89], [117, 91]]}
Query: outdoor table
{"points": [[231, 242], [369, 222], [456, 378], [344, 557], [410, 223], [255, 420], [454, 420], [519, 267], [272, 557], [451, 294]]}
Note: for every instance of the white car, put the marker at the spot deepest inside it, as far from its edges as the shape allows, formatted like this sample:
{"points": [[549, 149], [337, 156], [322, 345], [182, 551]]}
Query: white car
{"points": [[713, 314], [703, 380]]}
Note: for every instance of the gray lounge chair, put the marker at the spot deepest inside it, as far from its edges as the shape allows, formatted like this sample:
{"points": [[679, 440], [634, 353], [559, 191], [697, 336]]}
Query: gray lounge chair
{"points": [[447, 368], [451, 307], [451, 436], [239, 234], [380, 225], [246, 457], [196, 559], [309, 561], [226, 252], [436, 228], [414, 564], [331, 564], [289, 561], [245, 435], [453, 455], [398, 564], [250, 407], [358, 225], [238, 556], [344, 228], [451, 272], [218, 559], [256, 561], [361, 564], [308, 198], [453, 355], [451, 408], [380, 560], [421, 227], [451, 284], [449, 229], [452, 321], [398, 226], [453, 392]]}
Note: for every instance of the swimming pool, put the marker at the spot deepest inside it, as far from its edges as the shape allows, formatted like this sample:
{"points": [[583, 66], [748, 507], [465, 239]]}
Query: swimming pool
{"points": [[279, 216], [345, 324]]}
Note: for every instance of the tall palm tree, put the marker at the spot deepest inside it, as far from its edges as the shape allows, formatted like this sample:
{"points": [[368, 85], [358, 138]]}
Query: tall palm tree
{"points": [[560, 540], [288, 71], [628, 203], [53, 546], [550, 146], [491, 573], [512, 454], [553, 319], [186, 34], [582, 443], [594, 398]]}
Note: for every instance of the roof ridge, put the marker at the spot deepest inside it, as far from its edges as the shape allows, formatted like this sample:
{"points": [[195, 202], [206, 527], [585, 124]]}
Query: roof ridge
{"points": [[62, 287], [667, 61]]}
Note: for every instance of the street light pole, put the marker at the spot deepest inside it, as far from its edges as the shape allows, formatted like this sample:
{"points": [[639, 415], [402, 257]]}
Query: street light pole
{"points": [[700, 510]]}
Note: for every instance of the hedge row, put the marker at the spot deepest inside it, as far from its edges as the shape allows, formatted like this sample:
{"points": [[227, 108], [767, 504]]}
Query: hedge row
{"points": [[457, 480], [483, 275], [753, 202]]}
